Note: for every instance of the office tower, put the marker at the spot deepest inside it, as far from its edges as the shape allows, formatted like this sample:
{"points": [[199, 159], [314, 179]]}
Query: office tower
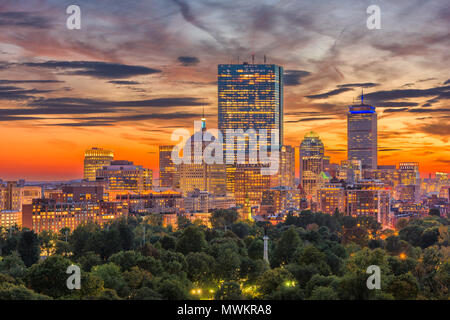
{"points": [[122, 175], [28, 193], [250, 184], [369, 198], [167, 169], [311, 163], [94, 159], [330, 197], [362, 135], [350, 171], [286, 171], [13, 199], [250, 96], [280, 200], [198, 174], [409, 173]]}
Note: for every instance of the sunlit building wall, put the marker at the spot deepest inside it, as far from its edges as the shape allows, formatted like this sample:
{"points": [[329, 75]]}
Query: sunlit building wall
{"points": [[94, 159], [50, 215], [331, 197], [122, 175], [250, 184]]}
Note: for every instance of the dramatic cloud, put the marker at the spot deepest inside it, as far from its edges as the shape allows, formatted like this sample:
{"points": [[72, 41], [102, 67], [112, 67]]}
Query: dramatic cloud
{"points": [[124, 82], [406, 93], [95, 69], [28, 81], [17, 93], [23, 19], [358, 85], [310, 119], [294, 77], [188, 61], [329, 93]]}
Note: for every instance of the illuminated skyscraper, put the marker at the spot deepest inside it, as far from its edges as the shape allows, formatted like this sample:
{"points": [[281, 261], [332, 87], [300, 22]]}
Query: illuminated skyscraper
{"points": [[167, 170], [95, 159], [250, 96], [311, 162], [362, 135], [122, 175]]}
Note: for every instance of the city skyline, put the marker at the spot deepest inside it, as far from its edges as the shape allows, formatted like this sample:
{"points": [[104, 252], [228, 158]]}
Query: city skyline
{"points": [[65, 91]]}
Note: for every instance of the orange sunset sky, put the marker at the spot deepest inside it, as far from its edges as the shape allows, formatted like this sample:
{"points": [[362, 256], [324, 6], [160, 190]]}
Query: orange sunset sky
{"points": [[136, 71]]}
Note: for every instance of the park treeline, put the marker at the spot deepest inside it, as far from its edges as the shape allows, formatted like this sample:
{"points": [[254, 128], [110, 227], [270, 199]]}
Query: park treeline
{"points": [[312, 256]]}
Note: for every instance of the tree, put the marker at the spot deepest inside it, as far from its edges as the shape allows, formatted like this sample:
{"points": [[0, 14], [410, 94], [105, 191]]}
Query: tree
{"points": [[89, 260], [229, 291], [28, 248], [323, 293], [200, 266], [274, 278], [172, 289], [48, 239], [404, 287], [13, 265], [286, 247], [49, 277], [111, 276], [222, 218], [191, 240]]}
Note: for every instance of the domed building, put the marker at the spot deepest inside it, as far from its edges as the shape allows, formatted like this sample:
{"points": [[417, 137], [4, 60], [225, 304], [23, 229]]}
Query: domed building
{"points": [[198, 174]]}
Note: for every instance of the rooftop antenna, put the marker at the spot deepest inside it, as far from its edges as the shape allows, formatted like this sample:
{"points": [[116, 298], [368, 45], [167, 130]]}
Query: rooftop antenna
{"points": [[253, 58], [238, 60]]}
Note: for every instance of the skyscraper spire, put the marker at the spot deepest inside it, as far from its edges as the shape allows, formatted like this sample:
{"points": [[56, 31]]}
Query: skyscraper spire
{"points": [[203, 116], [362, 96]]}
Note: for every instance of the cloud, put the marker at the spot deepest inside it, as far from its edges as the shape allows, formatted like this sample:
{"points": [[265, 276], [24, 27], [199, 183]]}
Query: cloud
{"points": [[329, 93], [23, 19], [68, 102], [124, 82], [358, 85], [447, 82], [28, 81], [310, 119], [95, 69], [17, 93], [294, 77], [188, 61], [109, 121], [406, 93]]}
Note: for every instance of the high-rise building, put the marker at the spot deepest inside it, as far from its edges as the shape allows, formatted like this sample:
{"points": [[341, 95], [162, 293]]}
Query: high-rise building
{"points": [[362, 135], [250, 96], [94, 159], [167, 169], [122, 175], [409, 173], [286, 169], [311, 163]]}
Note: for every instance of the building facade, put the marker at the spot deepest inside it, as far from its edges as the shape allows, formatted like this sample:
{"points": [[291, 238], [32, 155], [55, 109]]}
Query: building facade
{"points": [[94, 159], [362, 135]]}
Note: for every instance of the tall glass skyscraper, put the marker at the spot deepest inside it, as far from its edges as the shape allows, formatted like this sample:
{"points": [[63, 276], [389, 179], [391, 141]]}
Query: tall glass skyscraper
{"points": [[362, 135], [250, 96]]}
